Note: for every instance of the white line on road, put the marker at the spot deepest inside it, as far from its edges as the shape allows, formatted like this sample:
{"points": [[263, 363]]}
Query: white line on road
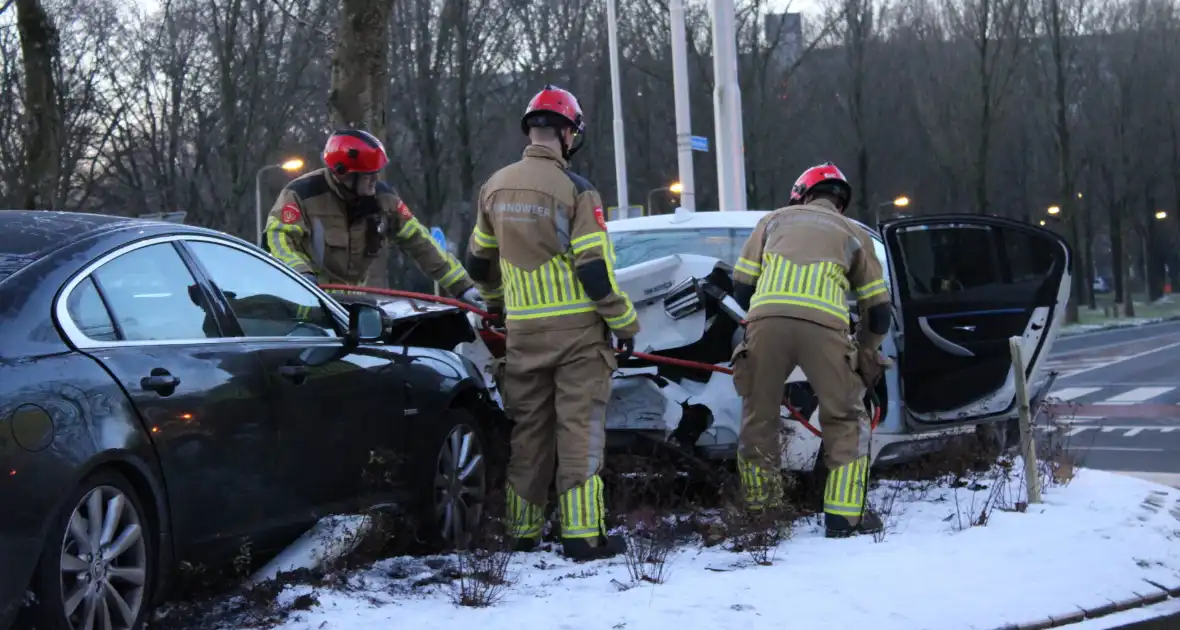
{"points": [[1137, 395], [1131, 449], [1129, 357], [1130, 430], [1070, 393]]}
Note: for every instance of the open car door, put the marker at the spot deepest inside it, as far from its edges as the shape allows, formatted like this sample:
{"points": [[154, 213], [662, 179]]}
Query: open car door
{"points": [[962, 286]]}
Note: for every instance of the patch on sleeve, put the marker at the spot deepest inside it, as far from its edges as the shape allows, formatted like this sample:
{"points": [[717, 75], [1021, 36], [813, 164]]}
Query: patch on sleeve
{"points": [[404, 210], [599, 217], [290, 214]]}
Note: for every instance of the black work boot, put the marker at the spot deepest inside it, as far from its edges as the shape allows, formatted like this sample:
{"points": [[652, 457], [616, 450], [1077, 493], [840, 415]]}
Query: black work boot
{"points": [[583, 549], [837, 526]]}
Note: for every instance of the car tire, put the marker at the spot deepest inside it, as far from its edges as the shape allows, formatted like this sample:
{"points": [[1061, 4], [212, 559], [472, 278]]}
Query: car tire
{"points": [[453, 472], [70, 581]]}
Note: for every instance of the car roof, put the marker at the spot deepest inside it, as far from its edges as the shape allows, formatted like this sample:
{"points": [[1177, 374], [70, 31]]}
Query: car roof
{"points": [[697, 220], [28, 235]]}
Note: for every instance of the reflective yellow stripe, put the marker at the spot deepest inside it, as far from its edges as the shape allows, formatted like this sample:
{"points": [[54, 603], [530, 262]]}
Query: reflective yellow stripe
{"points": [[455, 271], [548, 291], [844, 494], [483, 239], [748, 267], [454, 275], [524, 518], [876, 287], [763, 488], [623, 320], [582, 510], [279, 237], [302, 312], [492, 294], [583, 243], [821, 286]]}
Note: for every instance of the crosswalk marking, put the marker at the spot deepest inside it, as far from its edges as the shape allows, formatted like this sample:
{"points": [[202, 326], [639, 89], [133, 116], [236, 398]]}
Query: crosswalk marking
{"points": [[1070, 393], [1137, 395], [1128, 431]]}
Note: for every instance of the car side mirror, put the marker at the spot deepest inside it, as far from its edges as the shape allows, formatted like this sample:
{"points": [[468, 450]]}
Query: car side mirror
{"points": [[366, 323]]}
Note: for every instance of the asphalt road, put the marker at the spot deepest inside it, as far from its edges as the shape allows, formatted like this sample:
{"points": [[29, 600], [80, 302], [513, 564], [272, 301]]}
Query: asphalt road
{"points": [[1120, 392]]}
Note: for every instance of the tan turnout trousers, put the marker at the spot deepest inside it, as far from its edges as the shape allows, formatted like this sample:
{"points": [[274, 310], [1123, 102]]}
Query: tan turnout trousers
{"points": [[556, 386], [773, 347]]}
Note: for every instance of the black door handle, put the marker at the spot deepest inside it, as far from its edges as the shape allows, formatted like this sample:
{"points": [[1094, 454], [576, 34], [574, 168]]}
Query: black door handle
{"points": [[160, 381], [296, 373]]}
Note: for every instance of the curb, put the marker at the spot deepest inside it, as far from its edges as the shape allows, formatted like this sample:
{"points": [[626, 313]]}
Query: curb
{"points": [[1149, 594], [1154, 320]]}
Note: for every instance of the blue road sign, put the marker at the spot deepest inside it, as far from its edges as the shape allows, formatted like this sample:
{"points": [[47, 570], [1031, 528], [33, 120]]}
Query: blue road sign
{"points": [[437, 234], [700, 143]]}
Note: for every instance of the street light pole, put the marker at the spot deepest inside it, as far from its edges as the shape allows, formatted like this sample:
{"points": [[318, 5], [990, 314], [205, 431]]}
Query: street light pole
{"points": [[727, 109], [683, 117], [290, 165], [612, 33]]}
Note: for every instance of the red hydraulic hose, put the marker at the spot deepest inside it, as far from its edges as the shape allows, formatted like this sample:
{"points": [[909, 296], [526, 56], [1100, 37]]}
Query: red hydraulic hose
{"points": [[684, 363]]}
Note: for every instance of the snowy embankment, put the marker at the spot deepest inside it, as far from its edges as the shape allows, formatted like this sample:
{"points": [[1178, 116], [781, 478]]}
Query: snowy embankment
{"points": [[951, 558]]}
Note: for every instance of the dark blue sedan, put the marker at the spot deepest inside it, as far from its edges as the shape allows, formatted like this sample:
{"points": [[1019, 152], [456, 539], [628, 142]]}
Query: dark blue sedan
{"points": [[169, 392]]}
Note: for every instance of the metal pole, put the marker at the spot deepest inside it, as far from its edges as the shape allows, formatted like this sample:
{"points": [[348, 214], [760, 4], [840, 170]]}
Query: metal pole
{"points": [[688, 199], [727, 109], [612, 28], [258, 202]]}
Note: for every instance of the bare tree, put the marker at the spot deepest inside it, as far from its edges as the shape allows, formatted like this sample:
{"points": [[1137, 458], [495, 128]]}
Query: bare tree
{"points": [[43, 121]]}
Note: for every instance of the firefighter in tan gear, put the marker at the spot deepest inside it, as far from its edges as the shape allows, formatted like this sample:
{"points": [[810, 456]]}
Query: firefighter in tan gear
{"points": [[792, 276], [540, 252], [331, 224]]}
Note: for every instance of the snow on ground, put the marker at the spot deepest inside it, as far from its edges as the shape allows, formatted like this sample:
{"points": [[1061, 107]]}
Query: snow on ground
{"points": [[1089, 543]]}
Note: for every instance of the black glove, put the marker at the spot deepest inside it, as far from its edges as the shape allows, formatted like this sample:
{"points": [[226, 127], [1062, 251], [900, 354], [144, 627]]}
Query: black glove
{"points": [[625, 347], [495, 316]]}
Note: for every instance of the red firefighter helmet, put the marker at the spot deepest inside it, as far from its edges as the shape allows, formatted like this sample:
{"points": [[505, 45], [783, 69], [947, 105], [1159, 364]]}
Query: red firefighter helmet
{"points": [[825, 178], [354, 152], [553, 107]]}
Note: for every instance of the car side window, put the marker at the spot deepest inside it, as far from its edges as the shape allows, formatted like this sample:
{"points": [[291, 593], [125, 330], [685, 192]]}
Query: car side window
{"points": [[265, 301], [89, 314], [960, 260], [153, 297]]}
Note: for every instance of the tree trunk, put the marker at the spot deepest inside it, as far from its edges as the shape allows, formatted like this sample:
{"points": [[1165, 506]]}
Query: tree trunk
{"points": [[1116, 252], [43, 121], [360, 82]]}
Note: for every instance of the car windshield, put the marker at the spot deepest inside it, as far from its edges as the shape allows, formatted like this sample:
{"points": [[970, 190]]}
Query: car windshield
{"points": [[632, 248]]}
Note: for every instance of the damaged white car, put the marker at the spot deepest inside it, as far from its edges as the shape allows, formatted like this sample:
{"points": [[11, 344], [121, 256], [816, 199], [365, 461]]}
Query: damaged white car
{"points": [[961, 286]]}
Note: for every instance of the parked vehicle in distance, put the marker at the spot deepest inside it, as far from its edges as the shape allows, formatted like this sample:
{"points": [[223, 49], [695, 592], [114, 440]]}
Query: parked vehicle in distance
{"points": [[168, 392]]}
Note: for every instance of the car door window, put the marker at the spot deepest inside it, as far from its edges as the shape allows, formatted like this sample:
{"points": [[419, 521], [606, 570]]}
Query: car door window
{"points": [[941, 263], [265, 301], [153, 297], [89, 314]]}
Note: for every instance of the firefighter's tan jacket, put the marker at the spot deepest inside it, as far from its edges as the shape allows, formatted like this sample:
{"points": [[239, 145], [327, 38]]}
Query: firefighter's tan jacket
{"points": [[804, 259], [540, 249], [314, 230]]}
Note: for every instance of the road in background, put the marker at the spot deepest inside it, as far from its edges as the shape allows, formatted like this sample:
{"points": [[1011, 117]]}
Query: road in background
{"points": [[1120, 392]]}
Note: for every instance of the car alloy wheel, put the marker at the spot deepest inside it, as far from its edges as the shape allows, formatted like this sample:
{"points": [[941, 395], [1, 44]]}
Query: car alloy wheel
{"points": [[459, 485], [104, 562]]}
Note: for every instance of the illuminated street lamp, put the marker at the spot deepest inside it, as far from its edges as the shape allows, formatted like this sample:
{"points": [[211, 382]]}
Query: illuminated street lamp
{"points": [[675, 188], [899, 202], [1161, 215], [1054, 210], [291, 165], [1042, 223]]}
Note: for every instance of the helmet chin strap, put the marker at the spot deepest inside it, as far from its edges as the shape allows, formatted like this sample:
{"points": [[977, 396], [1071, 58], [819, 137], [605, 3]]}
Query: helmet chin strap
{"points": [[567, 151]]}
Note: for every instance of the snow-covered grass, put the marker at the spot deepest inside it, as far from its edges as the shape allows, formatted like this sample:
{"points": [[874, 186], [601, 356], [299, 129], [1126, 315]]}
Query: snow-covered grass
{"points": [[1164, 309], [958, 553]]}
